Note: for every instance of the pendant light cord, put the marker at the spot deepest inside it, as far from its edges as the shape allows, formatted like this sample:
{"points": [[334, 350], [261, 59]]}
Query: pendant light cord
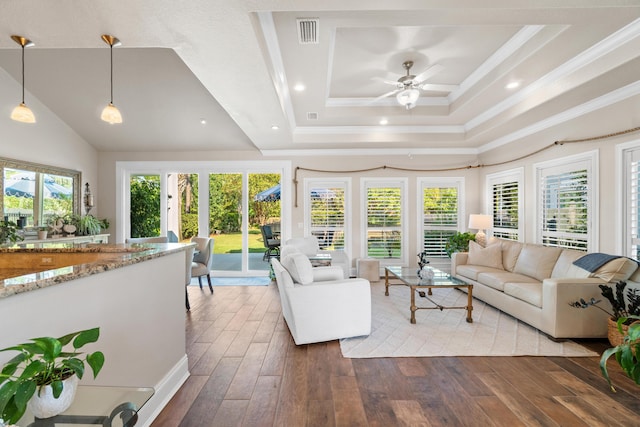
{"points": [[111, 50], [23, 73]]}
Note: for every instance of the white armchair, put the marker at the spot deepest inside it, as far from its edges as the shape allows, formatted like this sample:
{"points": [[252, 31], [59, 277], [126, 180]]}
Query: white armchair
{"points": [[327, 306], [309, 246]]}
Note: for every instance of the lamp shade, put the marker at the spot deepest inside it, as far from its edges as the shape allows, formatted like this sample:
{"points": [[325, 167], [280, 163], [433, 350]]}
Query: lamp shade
{"points": [[479, 221], [111, 114], [408, 98], [23, 114]]}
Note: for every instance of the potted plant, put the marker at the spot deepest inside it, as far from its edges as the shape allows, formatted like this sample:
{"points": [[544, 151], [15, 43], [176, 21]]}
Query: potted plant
{"points": [[9, 233], [88, 225], [626, 353], [621, 308], [459, 242], [42, 368]]}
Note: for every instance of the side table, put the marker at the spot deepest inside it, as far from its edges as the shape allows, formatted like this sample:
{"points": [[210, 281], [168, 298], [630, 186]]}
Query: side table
{"points": [[368, 268], [97, 405]]}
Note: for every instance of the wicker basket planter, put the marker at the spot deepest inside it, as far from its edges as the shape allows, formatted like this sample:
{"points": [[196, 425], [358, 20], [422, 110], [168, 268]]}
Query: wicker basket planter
{"points": [[614, 335]]}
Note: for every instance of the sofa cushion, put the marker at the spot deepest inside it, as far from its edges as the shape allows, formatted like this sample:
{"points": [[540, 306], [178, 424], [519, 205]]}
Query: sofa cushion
{"points": [[490, 256], [616, 270], [472, 271], [537, 261], [564, 267], [497, 279], [527, 292], [299, 267], [510, 251]]}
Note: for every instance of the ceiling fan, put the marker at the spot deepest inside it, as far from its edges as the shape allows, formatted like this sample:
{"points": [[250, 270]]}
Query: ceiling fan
{"points": [[408, 86]]}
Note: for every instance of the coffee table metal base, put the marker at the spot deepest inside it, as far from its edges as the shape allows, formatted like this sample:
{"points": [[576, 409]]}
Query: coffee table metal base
{"points": [[428, 285]]}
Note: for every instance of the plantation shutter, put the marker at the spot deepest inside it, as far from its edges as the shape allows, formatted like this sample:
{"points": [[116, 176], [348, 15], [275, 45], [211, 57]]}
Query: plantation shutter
{"points": [[505, 209], [328, 216], [632, 205], [565, 208], [384, 222], [439, 218]]}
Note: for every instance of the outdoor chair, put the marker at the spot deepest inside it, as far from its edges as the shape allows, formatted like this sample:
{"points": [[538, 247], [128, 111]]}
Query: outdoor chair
{"points": [[270, 242]]}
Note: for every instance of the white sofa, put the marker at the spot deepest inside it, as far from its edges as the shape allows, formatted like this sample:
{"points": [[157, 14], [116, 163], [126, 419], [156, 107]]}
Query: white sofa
{"points": [[318, 304], [309, 246], [536, 284]]}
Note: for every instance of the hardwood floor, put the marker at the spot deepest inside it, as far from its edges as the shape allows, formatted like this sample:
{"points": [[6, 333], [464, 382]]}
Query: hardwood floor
{"points": [[246, 371]]}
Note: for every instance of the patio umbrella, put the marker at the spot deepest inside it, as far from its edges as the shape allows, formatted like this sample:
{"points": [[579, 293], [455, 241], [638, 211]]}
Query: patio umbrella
{"points": [[269, 195], [24, 185]]}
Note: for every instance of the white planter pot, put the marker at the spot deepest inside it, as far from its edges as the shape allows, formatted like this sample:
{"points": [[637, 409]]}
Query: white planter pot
{"points": [[45, 405]]}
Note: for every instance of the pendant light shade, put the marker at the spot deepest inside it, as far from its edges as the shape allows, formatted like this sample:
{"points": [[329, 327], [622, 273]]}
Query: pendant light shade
{"points": [[22, 113], [110, 113]]}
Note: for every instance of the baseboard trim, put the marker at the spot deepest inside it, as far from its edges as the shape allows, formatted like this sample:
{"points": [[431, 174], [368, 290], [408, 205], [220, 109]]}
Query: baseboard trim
{"points": [[164, 391]]}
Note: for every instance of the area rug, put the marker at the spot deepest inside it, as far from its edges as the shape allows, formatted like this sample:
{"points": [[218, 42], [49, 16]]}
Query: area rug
{"points": [[234, 281], [446, 333]]}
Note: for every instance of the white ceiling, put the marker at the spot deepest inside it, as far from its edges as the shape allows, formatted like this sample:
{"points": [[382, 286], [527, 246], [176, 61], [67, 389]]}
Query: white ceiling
{"points": [[234, 63]]}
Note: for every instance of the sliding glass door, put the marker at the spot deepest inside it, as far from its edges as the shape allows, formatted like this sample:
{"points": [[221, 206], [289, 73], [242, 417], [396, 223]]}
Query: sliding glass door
{"points": [[227, 204]]}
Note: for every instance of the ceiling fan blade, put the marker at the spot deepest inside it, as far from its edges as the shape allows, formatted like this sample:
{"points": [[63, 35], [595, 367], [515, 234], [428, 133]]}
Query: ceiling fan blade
{"points": [[439, 87], [393, 92], [433, 70], [389, 82]]}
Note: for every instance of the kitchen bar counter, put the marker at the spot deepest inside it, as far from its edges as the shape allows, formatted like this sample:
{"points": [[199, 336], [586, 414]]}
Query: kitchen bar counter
{"points": [[24, 269]]}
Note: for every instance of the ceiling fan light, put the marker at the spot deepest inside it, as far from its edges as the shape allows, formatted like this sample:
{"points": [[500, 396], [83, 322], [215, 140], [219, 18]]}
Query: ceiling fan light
{"points": [[408, 98], [23, 114], [111, 114]]}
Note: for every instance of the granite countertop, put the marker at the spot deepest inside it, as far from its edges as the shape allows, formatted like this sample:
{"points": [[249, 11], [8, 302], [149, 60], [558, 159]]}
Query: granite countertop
{"points": [[116, 256]]}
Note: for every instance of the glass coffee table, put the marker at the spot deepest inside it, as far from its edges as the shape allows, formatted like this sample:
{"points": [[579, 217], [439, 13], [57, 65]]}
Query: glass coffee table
{"points": [[407, 276]]}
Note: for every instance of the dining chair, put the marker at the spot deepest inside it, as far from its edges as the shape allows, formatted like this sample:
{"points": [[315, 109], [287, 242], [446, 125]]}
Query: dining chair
{"points": [[203, 259], [189, 261]]}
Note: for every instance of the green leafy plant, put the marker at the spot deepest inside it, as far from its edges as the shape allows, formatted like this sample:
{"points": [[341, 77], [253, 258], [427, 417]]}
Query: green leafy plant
{"points": [[459, 242], [43, 362], [9, 232], [627, 353]]}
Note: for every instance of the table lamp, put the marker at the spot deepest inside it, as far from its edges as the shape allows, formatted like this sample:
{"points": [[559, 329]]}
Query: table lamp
{"points": [[480, 222]]}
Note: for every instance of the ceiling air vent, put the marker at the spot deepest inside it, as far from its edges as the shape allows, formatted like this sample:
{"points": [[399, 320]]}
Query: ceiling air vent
{"points": [[308, 30], [312, 116]]}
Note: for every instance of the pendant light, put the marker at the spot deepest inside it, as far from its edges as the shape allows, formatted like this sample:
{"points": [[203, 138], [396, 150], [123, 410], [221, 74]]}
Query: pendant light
{"points": [[22, 113], [110, 113]]}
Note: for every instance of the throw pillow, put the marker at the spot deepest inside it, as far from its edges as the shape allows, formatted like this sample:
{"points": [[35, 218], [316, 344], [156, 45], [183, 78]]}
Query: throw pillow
{"points": [[299, 267], [616, 270], [491, 256]]}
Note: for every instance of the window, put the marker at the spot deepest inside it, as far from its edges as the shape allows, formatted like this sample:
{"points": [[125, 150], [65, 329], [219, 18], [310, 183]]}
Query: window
{"points": [[567, 200], [631, 201], [385, 220], [33, 194], [504, 196], [441, 214], [326, 214]]}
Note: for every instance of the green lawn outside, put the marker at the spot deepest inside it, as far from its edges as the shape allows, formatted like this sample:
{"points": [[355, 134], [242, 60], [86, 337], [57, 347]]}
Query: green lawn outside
{"points": [[232, 242]]}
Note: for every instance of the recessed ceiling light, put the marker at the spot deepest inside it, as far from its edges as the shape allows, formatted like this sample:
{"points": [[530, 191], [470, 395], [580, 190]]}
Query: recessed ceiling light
{"points": [[275, 127], [203, 122], [384, 122], [299, 87], [512, 85]]}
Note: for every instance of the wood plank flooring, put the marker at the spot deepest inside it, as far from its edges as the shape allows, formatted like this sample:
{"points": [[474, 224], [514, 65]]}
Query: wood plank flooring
{"points": [[246, 371]]}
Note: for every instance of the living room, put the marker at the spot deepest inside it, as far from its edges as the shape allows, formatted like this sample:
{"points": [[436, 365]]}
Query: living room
{"points": [[179, 66]]}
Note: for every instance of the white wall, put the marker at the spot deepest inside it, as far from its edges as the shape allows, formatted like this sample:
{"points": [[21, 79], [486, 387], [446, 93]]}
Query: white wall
{"points": [[49, 141]]}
